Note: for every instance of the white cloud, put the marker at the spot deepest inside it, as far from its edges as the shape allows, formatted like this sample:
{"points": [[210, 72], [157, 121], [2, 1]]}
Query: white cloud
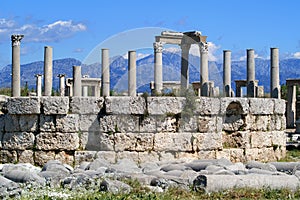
{"points": [[55, 31], [296, 55], [138, 56], [243, 58]]}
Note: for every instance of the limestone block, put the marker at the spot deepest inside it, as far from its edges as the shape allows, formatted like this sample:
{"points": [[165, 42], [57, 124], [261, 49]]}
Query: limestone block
{"points": [[23, 105], [279, 106], [7, 156], [55, 105], [232, 154], [262, 123], [133, 141], [261, 139], [64, 157], [134, 156], [125, 105], [242, 102], [109, 156], [12, 123], [166, 156], [206, 155], [84, 156], [278, 138], [207, 106], [67, 123], [57, 141], [233, 123], [89, 123], [42, 157], [86, 105], [225, 153], [167, 124], [26, 156], [187, 156], [164, 105], [207, 141], [148, 156], [263, 154], [47, 123], [96, 141], [17, 123], [261, 106], [119, 123], [188, 125], [207, 124], [173, 142], [148, 124], [18, 141], [239, 139]]}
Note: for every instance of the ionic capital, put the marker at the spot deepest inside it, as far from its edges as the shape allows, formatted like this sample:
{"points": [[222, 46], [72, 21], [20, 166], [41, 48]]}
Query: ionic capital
{"points": [[203, 47], [16, 40], [158, 47]]}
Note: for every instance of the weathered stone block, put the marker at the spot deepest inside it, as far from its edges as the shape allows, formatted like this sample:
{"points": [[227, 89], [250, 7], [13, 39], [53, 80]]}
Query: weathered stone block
{"points": [[57, 141], [134, 156], [167, 124], [239, 139], [277, 122], [86, 105], [164, 105], [148, 124], [279, 106], [173, 142], [262, 123], [64, 157], [261, 106], [17, 123], [110, 156], [166, 156], [278, 139], [18, 141], [207, 124], [119, 123], [84, 156], [125, 105], [26, 157], [206, 155], [55, 105], [186, 156], [242, 102], [263, 154], [232, 154], [89, 123], [67, 123], [47, 123], [261, 139], [96, 141], [207, 141], [207, 106], [42, 157], [133, 141], [188, 125], [148, 156], [7, 156], [23, 105]]}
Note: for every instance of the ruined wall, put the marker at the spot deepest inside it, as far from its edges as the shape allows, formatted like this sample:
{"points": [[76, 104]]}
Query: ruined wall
{"points": [[76, 129]]}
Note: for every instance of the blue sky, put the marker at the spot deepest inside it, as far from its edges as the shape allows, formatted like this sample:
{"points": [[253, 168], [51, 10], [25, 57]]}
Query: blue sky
{"points": [[75, 28]]}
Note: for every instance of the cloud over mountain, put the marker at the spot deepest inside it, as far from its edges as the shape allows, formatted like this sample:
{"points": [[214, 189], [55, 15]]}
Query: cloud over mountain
{"points": [[52, 32]]}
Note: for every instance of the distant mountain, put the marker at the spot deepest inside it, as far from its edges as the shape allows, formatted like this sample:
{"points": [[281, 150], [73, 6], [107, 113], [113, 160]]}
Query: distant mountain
{"points": [[289, 68]]}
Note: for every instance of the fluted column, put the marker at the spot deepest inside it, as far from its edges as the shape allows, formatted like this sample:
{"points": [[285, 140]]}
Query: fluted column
{"points": [[185, 48], [77, 81], [61, 84], [250, 73], [48, 71], [158, 72], [16, 78], [227, 73], [132, 73], [275, 83], [38, 84], [105, 73], [291, 106], [204, 68]]}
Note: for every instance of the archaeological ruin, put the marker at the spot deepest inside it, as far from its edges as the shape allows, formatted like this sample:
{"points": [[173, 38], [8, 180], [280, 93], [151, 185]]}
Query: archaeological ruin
{"points": [[76, 127]]}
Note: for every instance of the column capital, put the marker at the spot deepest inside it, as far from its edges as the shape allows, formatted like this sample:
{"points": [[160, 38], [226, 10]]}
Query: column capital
{"points": [[185, 46], [203, 47], [61, 75], [158, 47], [16, 40], [38, 75]]}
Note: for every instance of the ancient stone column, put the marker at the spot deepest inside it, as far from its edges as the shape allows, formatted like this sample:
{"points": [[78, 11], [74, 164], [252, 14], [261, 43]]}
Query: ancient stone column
{"points": [[250, 73], [158, 72], [291, 106], [204, 68], [227, 73], [132, 73], [105, 73], [85, 88], [48, 71], [185, 48], [61, 84], [77, 81], [38, 84], [16, 78], [275, 85]]}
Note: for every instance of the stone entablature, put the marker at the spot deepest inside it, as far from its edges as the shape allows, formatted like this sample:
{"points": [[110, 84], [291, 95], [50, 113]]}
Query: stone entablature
{"points": [[75, 129]]}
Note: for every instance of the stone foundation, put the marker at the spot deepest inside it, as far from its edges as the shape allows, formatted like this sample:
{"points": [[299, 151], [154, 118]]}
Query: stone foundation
{"points": [[76, 129]]}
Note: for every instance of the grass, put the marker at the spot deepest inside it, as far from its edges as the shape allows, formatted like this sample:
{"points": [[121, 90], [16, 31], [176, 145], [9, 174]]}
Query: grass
{"points": [[291, 156]]}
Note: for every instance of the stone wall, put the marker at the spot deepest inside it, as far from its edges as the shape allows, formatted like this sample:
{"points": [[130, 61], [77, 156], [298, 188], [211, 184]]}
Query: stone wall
{"points": [[76, 129]]}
